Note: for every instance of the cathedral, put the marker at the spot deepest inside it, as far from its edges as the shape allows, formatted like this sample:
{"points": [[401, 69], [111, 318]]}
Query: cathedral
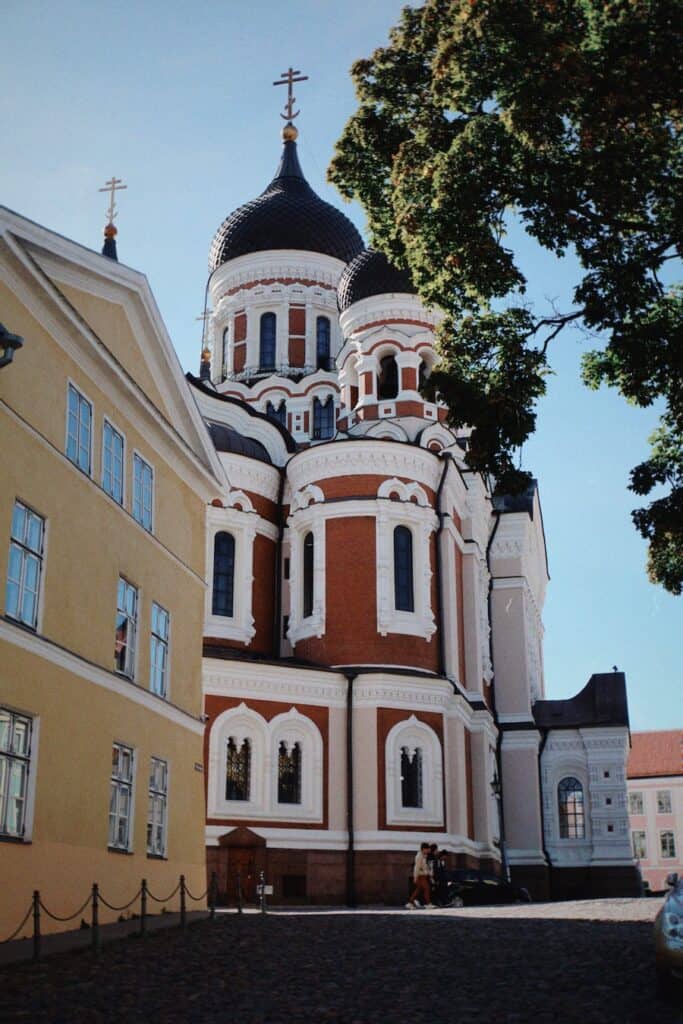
{"points": [[373, 637], [264, 623]]}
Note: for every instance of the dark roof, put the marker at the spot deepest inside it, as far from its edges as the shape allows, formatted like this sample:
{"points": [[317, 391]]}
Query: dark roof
{"points": [[226, 439], [200, 385], [601, 702], [523, 502], [371, 273], [288, 215]]}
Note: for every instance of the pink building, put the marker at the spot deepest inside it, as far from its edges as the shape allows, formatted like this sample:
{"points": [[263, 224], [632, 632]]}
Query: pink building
{"points": [[655, 797]]}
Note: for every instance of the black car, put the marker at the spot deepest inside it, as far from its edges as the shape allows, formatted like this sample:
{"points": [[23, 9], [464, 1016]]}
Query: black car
{"points": [[476, 889]]}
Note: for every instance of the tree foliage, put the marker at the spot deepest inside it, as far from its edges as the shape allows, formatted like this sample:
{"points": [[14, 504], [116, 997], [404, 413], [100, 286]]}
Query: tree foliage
{"points": [[566, 114]]}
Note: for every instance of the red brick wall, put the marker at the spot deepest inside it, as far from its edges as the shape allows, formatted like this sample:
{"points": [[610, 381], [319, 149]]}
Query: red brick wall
{"points": [[351, 635], [297, 351], [239, 358], [297, 320], [240, 327]]}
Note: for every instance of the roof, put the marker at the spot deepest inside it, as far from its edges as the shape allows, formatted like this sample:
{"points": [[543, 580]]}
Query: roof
{"points": [[287, 215], [370, 273], [601, 702], [656, 753], [226, 439]]}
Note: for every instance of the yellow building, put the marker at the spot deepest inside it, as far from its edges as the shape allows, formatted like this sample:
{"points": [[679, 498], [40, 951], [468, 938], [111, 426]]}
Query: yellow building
{"points": [[105, 471]]}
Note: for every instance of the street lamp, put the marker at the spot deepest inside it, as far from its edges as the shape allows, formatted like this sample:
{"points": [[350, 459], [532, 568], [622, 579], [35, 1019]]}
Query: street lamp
{"points": [[497, 792], [8, 344]]}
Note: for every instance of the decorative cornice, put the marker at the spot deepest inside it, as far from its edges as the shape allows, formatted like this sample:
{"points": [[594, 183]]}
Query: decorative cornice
{"points": [[357, 458]]}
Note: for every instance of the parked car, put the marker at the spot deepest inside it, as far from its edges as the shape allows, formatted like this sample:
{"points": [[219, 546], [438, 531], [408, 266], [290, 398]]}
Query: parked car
{"points": [[668, 935], [476, 888]]}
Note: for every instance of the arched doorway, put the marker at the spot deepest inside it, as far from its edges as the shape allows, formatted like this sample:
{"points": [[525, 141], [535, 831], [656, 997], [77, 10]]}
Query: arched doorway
{"points": [[242, 858]]}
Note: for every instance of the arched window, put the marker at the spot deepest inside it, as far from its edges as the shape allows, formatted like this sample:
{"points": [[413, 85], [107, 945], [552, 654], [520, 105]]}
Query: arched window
{"points": [[387, 385], [411, 777], [308, 575], [403, 570], [267, 342], [237, 770], [571, 808], [423, 374], [323, 419], [322, 343], [289, 774], [223, 574], [278, 414]]}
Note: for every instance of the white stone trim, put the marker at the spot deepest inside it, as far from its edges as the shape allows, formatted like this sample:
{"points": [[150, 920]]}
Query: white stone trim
{"points": [[422, 522], [242, 525], [283, 683], [415, 735], [306, 520], [115, 683], [360, 458], [242, 723]]}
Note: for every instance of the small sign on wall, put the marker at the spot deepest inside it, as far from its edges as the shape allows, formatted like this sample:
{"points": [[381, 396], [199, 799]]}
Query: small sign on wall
{"points": [[198, 766]]}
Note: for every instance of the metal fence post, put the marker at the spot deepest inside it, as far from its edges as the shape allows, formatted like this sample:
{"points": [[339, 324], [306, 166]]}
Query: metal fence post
{"points": [[95, 917], [262, 887], [239, 893], [212, 896], [36, 924], [183, 912], [143, 907]]}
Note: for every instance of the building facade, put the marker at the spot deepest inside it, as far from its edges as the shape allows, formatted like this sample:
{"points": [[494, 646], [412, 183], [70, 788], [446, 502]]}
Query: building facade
{"points": [[105, 473], [373, 635], [655, 797]]}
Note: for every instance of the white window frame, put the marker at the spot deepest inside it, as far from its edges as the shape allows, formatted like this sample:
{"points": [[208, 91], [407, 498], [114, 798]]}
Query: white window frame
{"points": [[667, 832], [636, 797], [411, 510], [641, 835], [30, 759], [264, 738], [158, 642], [139, 459], [131, 645], [72, 386], [157, 799], [413, 733], [307, 516], [27, 553], [242, 525], [107, 423], [119, 784], [664, 797]]}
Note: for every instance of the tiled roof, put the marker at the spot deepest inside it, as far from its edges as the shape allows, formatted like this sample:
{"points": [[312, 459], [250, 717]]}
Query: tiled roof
{"points": [[656, 753]]}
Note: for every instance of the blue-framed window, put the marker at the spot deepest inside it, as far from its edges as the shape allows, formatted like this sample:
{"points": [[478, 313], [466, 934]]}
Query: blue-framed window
{"points": [[25, 565], [143, 492], [323, 419], [308, 575], [223, 574], [112, 462], [78, 429], [403, 570], [158, 651], [322, 343], [267, 341]]}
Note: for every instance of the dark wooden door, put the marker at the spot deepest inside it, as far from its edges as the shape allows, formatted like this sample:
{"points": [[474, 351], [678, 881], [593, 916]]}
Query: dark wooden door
{"points": [[242, 870]]}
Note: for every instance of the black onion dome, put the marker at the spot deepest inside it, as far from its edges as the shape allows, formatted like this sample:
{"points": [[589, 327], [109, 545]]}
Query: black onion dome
{"points": [[371, 273], [288, 215]]}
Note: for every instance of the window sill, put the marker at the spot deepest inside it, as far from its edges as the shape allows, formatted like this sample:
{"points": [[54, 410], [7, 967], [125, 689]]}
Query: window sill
{"points": [[157, 856], [119, 849], [17, 840]]}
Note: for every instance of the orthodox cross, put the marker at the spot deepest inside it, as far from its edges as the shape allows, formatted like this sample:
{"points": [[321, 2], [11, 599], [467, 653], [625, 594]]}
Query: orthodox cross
{"points": [[112, 186], [288, 78]]}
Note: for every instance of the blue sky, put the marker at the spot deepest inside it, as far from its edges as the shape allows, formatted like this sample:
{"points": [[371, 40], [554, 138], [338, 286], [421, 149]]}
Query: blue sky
{"points": [[177, 100]]}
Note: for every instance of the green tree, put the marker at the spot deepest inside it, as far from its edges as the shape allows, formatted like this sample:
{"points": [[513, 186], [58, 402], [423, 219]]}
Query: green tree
{"points": [[567, 115]]}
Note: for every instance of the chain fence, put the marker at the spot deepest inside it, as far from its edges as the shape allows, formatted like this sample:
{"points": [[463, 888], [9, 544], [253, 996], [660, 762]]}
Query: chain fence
{"points": [[95, 898]]}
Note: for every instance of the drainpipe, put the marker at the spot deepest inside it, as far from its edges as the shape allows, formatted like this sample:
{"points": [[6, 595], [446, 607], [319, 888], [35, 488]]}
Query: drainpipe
{"points": [[499, 740], [549, 863], [277, 600], [447, 457], [350, 850]]}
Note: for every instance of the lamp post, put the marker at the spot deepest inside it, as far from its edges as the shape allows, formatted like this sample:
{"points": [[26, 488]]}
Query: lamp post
{"points": [[497, 791], [8, 345]]}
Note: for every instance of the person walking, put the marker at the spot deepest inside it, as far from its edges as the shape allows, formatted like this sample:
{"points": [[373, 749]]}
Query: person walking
{"points": [[421, 878]]}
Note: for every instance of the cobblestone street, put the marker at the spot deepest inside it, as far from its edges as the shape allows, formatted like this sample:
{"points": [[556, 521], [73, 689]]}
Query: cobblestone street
{"points": [[589, 962]]}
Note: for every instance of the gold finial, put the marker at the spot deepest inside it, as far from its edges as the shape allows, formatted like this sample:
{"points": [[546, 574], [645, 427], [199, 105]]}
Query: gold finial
{"points": [[289, 133], [206, 355], [287, 78], [112, 186]]}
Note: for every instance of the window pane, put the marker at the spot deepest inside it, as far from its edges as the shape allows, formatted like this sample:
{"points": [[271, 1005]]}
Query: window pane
{"points": [[223, 574], [403, 569], [4, 729], [18, 522]]}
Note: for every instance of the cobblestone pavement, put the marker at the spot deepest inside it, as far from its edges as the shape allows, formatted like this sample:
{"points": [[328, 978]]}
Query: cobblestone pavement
{"points": [[590, 962]]}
